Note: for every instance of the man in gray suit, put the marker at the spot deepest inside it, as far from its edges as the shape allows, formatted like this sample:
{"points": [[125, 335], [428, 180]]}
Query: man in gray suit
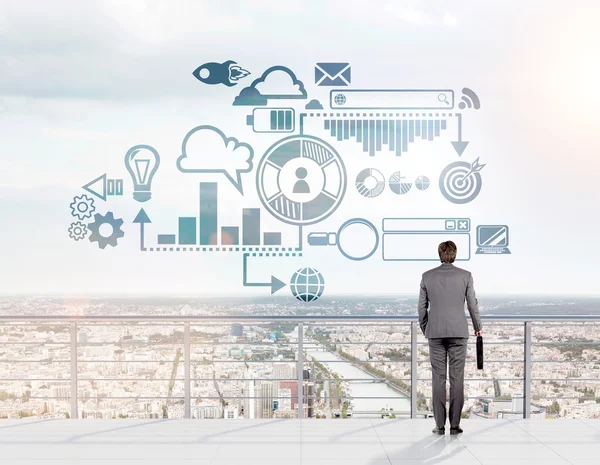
{"points": [[443, 292]]}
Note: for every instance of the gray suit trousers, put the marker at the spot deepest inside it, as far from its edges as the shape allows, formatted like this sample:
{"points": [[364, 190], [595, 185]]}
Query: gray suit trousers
{"points": [[451, 350]]}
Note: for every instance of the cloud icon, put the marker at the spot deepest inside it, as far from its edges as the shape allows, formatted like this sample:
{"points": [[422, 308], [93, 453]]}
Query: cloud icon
{"points": [[205, 149], [277, 82], [250, 96], [314, 104]]}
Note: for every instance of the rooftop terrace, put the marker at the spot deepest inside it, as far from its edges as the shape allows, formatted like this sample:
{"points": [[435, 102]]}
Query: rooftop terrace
{"points": [[293, 442]]}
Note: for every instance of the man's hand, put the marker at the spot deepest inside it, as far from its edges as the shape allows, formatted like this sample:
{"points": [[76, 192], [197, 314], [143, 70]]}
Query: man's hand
{"points": [[479, 333]]}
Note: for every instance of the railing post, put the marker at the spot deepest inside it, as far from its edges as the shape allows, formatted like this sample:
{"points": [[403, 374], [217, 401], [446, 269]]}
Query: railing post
{"points": [[413, 369], [186, 371], [300, 370], [74, 399], [527, 371]]}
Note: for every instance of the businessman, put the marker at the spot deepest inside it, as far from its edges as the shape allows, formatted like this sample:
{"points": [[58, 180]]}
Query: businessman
{"points": [[442, 319]]}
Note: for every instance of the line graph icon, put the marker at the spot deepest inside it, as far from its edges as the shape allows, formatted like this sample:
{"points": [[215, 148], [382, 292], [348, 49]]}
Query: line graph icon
{"points": [[460, 182]]}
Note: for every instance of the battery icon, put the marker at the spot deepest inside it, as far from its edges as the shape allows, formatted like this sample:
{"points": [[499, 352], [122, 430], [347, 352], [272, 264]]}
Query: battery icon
{"points": [[271, 120]]}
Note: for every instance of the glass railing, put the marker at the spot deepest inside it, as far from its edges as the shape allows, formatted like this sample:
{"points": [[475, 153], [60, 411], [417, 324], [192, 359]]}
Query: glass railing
{"points": [[287, 367]]}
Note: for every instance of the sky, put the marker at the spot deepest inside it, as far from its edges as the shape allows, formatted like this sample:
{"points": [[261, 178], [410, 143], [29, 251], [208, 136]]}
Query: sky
{"points": [[82, 82]]}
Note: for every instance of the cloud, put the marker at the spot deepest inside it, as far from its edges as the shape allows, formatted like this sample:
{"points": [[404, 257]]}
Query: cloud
{"points": [[250, 96], [206, 149], [277, 82], [314, 104]]}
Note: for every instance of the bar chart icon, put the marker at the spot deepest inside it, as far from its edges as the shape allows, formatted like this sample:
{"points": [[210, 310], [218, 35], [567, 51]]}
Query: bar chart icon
{"points": [[203, 230], [374, 131]]}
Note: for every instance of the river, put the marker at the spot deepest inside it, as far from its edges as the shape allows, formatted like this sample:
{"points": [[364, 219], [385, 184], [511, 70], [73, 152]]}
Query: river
{"points": [[387, 397]]}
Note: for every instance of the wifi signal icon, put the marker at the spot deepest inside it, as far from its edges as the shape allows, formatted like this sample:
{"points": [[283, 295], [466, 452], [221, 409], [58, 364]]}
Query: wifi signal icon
{"points": [[469, 100]]}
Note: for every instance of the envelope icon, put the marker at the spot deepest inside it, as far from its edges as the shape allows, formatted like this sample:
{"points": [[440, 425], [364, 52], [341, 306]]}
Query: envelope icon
{"points": [[332, 74]]}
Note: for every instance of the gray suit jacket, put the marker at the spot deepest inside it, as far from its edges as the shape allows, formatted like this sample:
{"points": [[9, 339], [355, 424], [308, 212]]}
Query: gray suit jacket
{"points": [[443, 292]]}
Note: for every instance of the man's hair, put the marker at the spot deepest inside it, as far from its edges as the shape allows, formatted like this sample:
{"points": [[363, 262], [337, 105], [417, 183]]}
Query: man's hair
{"points": [[447, 252]]}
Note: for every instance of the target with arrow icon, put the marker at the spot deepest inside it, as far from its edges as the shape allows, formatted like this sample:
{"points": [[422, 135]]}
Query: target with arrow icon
{"points": [[460, 182]]}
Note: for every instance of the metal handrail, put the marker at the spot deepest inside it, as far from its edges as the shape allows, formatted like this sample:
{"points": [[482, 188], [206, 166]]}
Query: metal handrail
{"points": [[297, 318], [185, 321]]}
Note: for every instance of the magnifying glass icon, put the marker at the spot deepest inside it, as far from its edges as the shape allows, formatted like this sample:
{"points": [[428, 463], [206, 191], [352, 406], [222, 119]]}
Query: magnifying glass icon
{"points": [[442, 98], [357, 239]]}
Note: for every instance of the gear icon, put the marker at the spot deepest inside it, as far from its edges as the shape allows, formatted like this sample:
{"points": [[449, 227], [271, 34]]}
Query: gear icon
{"points": [[115, 224], [82, 207], [77, 231]]}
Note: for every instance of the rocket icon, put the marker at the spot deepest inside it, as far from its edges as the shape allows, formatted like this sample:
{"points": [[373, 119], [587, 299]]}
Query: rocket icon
{"points": [[227, 73]]}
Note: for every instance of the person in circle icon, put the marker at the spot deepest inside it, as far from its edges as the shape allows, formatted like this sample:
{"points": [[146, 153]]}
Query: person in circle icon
{"points": [[301, 186]]}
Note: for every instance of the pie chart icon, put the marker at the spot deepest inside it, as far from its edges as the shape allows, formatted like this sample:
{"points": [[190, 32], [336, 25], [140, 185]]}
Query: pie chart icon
{"points": [[370, 183], [397, 184]]}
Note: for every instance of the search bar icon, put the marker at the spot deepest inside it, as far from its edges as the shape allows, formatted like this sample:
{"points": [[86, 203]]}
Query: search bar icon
{"points": [[443, 98], [391, 99]]}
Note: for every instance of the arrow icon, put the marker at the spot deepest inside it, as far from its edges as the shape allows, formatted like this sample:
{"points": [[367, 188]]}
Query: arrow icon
{"points": [[142, 218], [275, 284], [475, 168], [459, 145]]}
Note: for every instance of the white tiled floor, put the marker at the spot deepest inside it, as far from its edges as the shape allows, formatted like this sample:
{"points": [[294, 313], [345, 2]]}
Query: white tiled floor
{"points": [[293, 442]]}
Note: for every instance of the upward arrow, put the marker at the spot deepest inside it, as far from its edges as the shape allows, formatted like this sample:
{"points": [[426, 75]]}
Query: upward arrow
{"points": [[142, 219], [459, 145]]}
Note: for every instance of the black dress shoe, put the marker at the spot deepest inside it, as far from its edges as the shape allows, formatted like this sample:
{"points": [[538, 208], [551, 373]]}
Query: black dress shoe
{"points": [[454, 431], [438, 430]]}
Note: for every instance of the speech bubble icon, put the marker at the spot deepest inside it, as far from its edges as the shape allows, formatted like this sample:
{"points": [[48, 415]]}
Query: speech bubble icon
{"points": [[206, 149]]}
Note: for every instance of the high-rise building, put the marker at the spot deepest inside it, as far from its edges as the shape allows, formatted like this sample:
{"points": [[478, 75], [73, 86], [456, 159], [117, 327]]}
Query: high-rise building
{"points": [[237, 330]]}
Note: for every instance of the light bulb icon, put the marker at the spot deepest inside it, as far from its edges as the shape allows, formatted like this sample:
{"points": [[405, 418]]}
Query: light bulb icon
{"points": [[142, 161]]}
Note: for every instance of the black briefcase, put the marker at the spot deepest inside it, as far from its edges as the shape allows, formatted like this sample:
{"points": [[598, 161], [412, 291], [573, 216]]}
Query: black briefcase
{"points": [[480, 352]]}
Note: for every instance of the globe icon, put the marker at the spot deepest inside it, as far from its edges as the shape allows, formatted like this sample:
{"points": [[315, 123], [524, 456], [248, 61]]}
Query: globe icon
{"points": [[307, 284], [339, 99]]}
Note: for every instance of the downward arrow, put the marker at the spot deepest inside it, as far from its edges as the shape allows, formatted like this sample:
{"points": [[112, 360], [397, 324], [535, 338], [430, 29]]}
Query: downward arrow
{"points": [[142, 218], [275, 283], [459, 145]]}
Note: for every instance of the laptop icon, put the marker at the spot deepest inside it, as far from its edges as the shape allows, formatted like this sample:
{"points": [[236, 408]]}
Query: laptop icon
{"points": [[492, 239]]}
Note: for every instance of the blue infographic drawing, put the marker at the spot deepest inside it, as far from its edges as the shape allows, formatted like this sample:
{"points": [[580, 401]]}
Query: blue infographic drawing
{"points": [[269, 86], [102, 187], [381, 132], [314, 104], [228, 73], [206, 149], [333, 74], [398, 185], [101, 237], [272, 120], [77, 231], [492, 240], [301, 180], [370, 183], [417, 239], [460, 182], [391, 99], [357, 239], [307, 284], [142, 162], [459, 145], [422, 183], [469, 99], [82, 207]]}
